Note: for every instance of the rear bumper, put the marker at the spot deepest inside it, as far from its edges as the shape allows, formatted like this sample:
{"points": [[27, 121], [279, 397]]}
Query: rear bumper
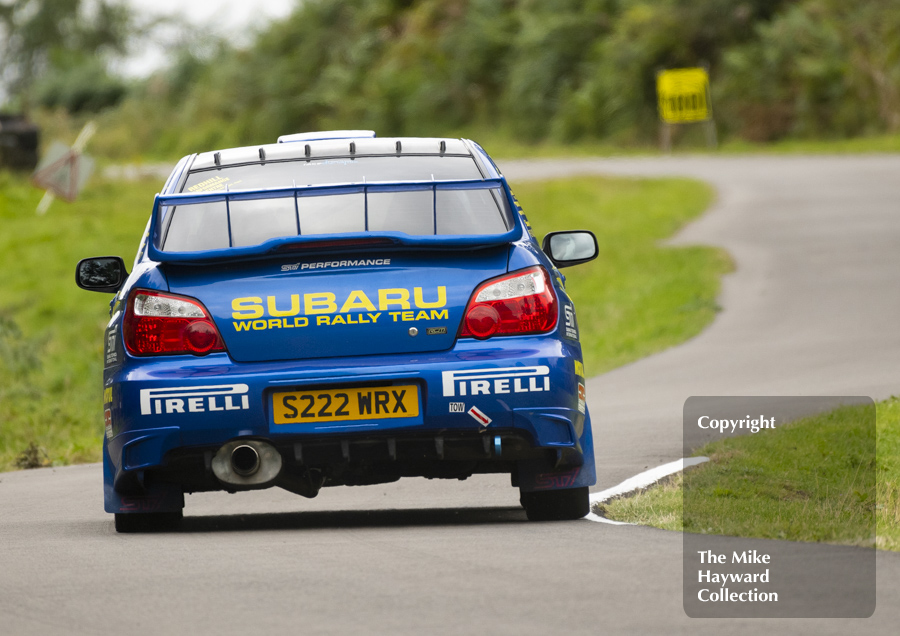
{"points": [[164, 410]]}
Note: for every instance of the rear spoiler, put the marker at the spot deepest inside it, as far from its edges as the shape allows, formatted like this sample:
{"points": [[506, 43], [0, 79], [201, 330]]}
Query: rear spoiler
{"points": [[295, 244]]}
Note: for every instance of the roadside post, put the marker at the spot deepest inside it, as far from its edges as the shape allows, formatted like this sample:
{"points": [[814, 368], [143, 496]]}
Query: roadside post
{"points": [[63, 171], [683, 98]]}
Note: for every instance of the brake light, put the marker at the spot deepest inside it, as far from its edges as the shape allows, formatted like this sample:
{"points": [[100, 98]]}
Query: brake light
{"points": [[159, 324], [513, 305], [340, 243]]}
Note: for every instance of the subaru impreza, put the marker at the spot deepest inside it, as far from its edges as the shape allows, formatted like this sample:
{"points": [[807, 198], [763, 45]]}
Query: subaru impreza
{"points": [[341, 309]]}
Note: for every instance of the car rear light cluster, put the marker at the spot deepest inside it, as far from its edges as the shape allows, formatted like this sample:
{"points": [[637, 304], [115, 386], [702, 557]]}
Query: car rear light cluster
{"points": [[158, 323], [513, 305]]}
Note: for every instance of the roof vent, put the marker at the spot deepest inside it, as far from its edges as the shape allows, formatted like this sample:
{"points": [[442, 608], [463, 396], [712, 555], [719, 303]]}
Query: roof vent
{"points": [[327, 134]]}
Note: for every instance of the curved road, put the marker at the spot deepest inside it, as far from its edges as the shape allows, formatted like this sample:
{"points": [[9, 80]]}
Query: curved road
{"points": [[812, 309]]}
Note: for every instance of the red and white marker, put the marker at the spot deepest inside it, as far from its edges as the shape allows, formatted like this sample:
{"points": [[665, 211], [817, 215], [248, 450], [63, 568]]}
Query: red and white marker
{"points": [[480, 417]]}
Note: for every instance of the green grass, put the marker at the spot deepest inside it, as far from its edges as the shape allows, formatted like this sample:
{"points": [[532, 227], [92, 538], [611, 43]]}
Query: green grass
{"points": [[636, 298], [689, 141], [660, 506], [51, 331], [128, 136], [809, 481], [887, 476]]}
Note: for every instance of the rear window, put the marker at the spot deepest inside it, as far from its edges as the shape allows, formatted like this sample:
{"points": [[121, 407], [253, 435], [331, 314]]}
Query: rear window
{"points": [[206, 226], [284, 174]]}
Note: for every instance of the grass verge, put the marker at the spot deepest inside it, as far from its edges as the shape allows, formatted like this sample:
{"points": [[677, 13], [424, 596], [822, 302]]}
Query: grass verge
{"points": [[804, 482], [51, 331], [126, 135], [636, 298], [504, 147]]}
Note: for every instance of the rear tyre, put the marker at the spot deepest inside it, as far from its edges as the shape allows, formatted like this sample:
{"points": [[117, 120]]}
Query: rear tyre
{"points": [[148, 521], [556, 505]]}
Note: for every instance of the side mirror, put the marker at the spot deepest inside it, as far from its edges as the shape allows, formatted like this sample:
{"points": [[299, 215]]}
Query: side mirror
{"points": [[570, 248], [101, 274]]}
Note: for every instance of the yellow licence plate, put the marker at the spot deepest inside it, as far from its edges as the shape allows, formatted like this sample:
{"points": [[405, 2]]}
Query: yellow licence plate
{"points": [[338, 405]]}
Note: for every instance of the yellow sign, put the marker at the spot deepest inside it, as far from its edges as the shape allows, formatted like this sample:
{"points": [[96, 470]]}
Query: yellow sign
{"points": [[339, 405], [683, 95]]}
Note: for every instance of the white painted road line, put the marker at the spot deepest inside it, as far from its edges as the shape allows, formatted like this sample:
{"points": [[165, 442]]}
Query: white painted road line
{"points": [[641, 480]]}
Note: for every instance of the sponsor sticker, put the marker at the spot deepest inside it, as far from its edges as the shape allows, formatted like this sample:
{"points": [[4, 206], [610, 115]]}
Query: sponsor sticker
{"points": [[559, 279], [111, 354], [581, 397], [144, 503], [195, 399], [290, 311], [480, 417], [496, 381], [362, 262], [579, 368], [566, 479], [212, 184], [107, 422], [570, 328]]}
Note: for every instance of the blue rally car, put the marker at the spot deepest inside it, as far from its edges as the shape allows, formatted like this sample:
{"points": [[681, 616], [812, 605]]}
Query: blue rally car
{"points": [[340, 309]]}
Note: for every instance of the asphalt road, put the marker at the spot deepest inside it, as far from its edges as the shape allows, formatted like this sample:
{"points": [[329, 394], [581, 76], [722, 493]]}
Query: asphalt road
{"points": [[811, 309]]}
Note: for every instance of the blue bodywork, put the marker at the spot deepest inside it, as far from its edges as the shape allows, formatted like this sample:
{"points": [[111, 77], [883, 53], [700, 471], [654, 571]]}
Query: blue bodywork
{"points": [[167, 415]]}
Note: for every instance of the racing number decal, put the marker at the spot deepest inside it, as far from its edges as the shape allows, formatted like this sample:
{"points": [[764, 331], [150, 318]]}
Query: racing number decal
{"points": [[346, 404]]}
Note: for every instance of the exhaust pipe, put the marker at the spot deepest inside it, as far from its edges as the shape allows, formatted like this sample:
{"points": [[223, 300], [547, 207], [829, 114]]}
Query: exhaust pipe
{"points": [[245, 460], [247, 464]]}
